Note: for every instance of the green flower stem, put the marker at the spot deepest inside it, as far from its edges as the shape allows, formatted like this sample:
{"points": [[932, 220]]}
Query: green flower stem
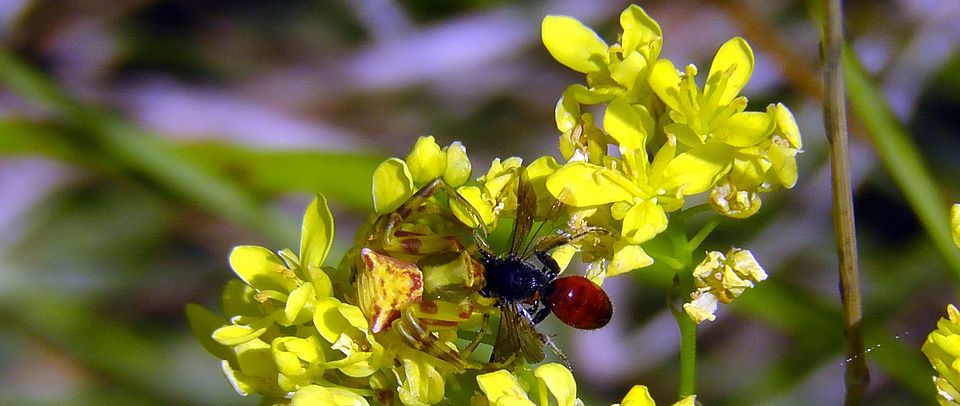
{"points": [[835, 122], [688, 354], [705, 231], [683, 283]]}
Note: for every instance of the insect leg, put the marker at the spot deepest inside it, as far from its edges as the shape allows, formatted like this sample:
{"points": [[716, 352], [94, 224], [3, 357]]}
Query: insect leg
{"points": [[550, 242], [540, 314]]}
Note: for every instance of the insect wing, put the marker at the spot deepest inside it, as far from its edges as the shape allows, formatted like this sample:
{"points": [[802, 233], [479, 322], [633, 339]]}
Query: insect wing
{"points": [[517, 337], [531, 339], [526, 209]]}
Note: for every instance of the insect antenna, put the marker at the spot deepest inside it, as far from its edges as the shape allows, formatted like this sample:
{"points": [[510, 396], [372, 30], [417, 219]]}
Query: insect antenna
{"points": [[552, 218]]}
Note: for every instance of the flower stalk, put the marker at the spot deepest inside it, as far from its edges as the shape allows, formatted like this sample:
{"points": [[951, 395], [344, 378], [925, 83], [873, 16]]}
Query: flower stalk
{"points": [[834, 114]]}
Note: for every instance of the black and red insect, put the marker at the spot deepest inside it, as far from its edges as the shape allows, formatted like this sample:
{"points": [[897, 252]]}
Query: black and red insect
{"points": [[527, 293]]}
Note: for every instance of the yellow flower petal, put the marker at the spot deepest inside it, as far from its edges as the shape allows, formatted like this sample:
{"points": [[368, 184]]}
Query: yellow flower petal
{"points": [[638, 395], [474, 197], [568, 113], [392, 185], [316, 234], [687, 401], [458, 167], [735, 58], [697, 170], [745, 129], [426, 160], [261, 269], [643, 221], [787, 125], [574, 44], [297, 310], [626, 258], [582, 184], [237, 334], [628, 126], [559, 381], [639, 29], [502, 386], [423, 384], [320, 395], [665, 82]]}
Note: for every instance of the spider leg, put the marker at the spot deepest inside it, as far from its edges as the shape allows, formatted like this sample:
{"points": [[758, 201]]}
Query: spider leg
{"points": [[387, 226], [476, 340]]}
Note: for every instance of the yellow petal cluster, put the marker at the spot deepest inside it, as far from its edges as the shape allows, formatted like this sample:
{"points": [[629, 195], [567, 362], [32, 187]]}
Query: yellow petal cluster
{"points": [[395, 180], [720, 279], [942, 348], [394, 321]]}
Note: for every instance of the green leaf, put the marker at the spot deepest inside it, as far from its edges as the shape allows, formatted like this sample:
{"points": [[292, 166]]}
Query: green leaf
{"points": [[344, 177], [900, 157], [574, 44], [141, 154]]}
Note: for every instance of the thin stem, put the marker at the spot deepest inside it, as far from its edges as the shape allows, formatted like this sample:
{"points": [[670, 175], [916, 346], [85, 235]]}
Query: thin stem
{"points": [[856, 375], [683, 285], [664, 259], [704, 232], [688, 354]]}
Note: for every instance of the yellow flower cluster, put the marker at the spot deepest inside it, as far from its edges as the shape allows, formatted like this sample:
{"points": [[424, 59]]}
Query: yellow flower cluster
{"points": [[673, 139], [942, 348], [552, 382], [401, 317], [286, 335], [722, 278]]}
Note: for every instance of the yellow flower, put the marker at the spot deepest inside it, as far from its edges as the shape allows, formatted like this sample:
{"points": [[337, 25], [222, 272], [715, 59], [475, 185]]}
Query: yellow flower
{"points": [[395, 180], [639, 395], [332, 396], [722, 278], [552, 381], [492, 195], [942, 348], [285, 329]]}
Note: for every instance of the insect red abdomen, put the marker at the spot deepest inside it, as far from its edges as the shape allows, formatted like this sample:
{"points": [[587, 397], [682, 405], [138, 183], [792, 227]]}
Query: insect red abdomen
{"points": [[580, 303]]}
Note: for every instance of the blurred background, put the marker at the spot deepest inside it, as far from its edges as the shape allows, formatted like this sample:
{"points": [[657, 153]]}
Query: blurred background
{"points": [[141, 140]]}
